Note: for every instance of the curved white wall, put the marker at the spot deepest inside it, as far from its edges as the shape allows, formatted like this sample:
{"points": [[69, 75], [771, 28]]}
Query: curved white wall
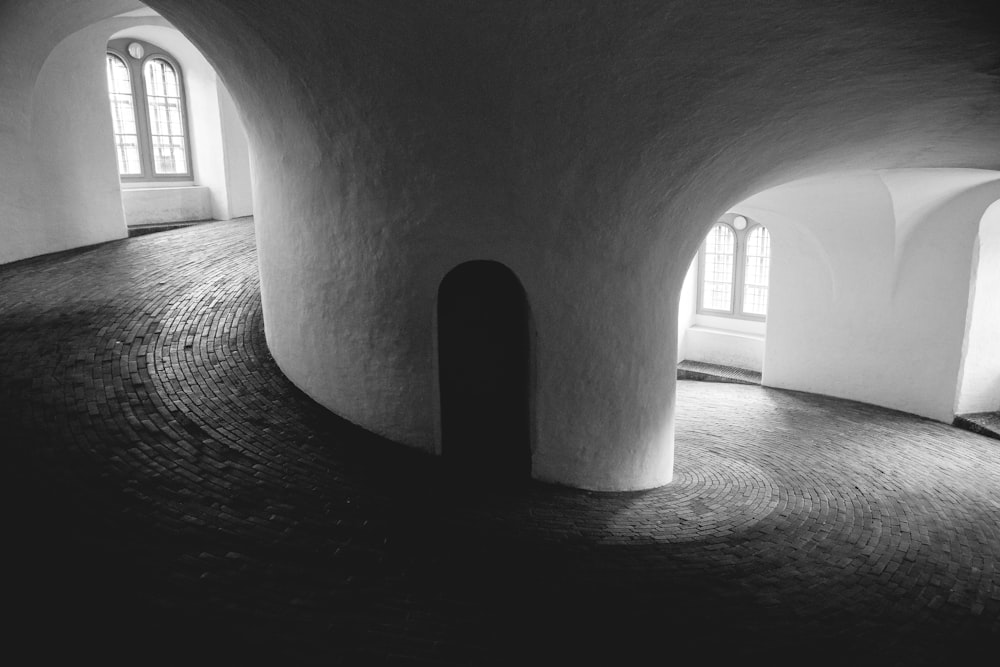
{"points": [[979, 383], [58, 184], [875, 309]]}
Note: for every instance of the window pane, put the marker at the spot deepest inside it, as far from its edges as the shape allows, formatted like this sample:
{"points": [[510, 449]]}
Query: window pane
{"points": [[758, 265], [169, 155], [717, 280], [123, 117], [127, 148], [166, 117]]}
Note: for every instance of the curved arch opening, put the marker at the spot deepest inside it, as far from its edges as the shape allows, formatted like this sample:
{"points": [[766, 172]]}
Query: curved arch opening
{"points": [[979, 377], [191, 143], [484, 371], [870, 293], [722, 310], [148, 112]]}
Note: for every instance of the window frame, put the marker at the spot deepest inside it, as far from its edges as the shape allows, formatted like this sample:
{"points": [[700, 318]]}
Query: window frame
{"points": [[740, 236], [140, 100]]}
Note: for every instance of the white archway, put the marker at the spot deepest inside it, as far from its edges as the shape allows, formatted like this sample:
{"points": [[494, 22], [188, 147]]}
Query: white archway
{"points": [[979, 378]]}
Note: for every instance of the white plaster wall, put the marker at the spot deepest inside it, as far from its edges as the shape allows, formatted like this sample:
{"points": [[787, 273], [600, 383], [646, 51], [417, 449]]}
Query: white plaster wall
{"points": [[236, 152], [58, 179], [687, 307], [979, 383], [729, 348], [870, 283], [144, 206]]}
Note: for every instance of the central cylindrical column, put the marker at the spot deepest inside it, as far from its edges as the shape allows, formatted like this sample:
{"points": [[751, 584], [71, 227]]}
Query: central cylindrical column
{"points": [[586, 149]]}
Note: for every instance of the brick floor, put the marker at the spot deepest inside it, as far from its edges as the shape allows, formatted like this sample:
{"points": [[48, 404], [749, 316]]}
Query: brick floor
{"points": [[174, 500]]}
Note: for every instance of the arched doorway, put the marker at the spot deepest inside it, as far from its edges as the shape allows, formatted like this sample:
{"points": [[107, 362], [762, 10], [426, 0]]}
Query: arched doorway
{"points": [[483, 356]]}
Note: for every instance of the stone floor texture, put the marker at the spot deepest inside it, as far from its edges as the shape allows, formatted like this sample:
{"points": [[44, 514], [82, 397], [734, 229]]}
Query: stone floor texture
{"points": [[705, 372], [984, 423], [175, 500]]}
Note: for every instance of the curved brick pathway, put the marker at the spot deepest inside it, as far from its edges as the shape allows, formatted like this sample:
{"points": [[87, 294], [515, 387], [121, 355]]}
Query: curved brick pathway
{"points": [[173, 499]]}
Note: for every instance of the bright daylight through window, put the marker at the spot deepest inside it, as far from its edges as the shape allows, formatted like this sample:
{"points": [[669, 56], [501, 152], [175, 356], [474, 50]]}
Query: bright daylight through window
{"points": [[147, 112], [733, 270]]}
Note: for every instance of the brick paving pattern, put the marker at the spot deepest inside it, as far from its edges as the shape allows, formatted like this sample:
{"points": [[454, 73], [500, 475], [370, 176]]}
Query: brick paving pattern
{"points": [[175, 500]]}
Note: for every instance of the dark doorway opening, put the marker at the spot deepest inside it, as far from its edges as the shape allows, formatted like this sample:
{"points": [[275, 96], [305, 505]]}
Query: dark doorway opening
{"points": [[483, 354]]}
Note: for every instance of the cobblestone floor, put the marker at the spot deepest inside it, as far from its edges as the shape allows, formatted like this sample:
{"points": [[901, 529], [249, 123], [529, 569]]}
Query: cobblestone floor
{"points": [[174, 500]]}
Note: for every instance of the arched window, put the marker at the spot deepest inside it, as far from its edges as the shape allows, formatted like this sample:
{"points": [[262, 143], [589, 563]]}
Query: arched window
{"points": [[733, 268], [757, 264], [718, 269], [166, 120], [147, 112], [123, 117]]}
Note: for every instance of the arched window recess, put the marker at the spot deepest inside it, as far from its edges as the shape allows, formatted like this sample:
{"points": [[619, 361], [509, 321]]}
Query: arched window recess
{"points": [[733, 266], [148, 112]]}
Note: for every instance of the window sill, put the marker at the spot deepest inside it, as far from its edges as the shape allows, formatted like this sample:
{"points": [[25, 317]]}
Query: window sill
{"points": [[156, 185], [726, 332], [730, 324], [724, 347]]}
